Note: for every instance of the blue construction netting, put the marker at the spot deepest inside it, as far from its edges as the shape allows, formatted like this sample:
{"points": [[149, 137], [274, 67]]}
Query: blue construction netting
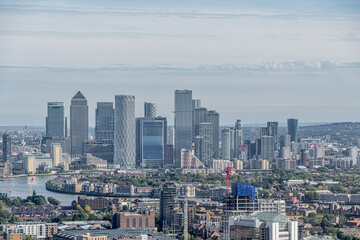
{"points": [[243, 189]]}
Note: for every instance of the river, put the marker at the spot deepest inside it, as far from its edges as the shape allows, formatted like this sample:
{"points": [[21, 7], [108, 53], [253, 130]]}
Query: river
{"points": [[21, 187]]}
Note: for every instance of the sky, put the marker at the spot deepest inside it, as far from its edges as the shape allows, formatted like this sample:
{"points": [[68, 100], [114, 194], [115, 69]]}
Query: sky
{"points": [[252, 60]]}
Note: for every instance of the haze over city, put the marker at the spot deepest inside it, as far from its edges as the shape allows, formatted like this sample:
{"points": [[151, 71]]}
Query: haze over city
{"points": [[253, 60]]}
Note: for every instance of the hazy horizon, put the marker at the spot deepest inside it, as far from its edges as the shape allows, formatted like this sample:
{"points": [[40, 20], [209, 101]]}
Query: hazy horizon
{"points": [[251, 60]]}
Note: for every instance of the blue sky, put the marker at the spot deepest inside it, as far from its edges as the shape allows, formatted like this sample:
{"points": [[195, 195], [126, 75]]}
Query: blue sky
{"points": [[249, 60]]}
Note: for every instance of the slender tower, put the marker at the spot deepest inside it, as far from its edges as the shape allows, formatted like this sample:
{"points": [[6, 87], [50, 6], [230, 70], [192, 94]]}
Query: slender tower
{"points": [[79, 122], [124, 135]]}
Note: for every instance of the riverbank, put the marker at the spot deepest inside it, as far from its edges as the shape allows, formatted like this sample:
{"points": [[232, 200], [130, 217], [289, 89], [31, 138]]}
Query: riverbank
{"points": [[93, 194]]}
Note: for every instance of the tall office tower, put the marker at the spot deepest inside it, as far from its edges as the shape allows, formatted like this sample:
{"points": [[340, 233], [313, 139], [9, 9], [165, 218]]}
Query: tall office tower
{"points": [[183, 122], [213, 118], [263, 131], [292, 125], [238, 139], [169, 155], [196, 103], [79, 122], [56, 154], [232, 143], [284, 142], [226, 144], [150, 141], [124, 132], [199, 117], [272, 130], [6, 151], [171, 136], [168, 203], [149, 109], [104, 122], [204, 143], [304, 157], [267, 148], [55, 120]]}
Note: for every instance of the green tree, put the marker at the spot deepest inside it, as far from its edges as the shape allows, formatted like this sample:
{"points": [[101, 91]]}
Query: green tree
{"points": [[87, 209], [5, 214], [80, 217], [2, 204], [79, 208], [15, 219], [92, 217], [53, 201], [2, 220]]}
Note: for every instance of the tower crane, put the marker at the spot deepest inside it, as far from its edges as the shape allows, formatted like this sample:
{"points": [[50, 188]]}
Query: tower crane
{"points": [[228, 172]]}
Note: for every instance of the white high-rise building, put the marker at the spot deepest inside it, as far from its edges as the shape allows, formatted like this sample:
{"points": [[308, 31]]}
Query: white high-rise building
{"points": [[56, 154], [124, 135]]}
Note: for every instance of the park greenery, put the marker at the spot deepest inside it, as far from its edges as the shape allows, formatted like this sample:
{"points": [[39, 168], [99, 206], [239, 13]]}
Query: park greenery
{"points": [[349, 180]]}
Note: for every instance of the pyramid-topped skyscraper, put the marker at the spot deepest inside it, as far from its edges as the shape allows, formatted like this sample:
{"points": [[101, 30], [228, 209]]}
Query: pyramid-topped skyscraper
{"points": [[79, 122]]}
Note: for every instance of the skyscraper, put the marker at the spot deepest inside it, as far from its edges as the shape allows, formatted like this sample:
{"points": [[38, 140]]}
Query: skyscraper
{"points": [[214, 118], [150, 141], [149, 109], [267, 148], [292, 125], [199, 117], [272, 130], [6, 151], [225, 144], [284, 143], [168, 202], [79, 122], [183, 122], [124, 131], [104, 122], [203, 145], [238, 137], [55, 120]]}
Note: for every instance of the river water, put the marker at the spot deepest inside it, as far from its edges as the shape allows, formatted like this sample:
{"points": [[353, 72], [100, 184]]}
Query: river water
{"points": [[21, 187]]}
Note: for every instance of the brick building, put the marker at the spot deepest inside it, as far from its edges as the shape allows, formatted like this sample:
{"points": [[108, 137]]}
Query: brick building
{"points": [[98, 203], [134, 220]]}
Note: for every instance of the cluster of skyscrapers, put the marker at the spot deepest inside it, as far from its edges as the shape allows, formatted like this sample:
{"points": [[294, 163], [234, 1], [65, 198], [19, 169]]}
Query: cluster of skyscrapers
{"points": [[129, 142]]}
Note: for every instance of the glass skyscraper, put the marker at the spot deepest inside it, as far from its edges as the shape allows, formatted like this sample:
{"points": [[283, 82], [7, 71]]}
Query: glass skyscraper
{"points": [[183, 122], [55, 120], [292, 125], [6, 151], [79, 123], [239, 140], [272, 130], [152, 144], [104, 122], [124, 132], [214, 118], [149, 109]]}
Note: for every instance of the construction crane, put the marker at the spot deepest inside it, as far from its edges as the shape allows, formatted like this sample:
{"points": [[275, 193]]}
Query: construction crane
{"points": [[31, 184], [228, 172]]}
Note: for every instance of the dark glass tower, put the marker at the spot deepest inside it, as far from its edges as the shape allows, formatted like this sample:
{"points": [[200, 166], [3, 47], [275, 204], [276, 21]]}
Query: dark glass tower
{"points": [[272, 130], [104, 124], [214, 118], [55, 121], [6, 139], [292, 125], [183, 122], [79, 122]]}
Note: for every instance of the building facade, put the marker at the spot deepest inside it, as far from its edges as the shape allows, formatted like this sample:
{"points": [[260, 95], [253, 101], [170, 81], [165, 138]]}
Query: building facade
{"points": [[79, 123], [55, 120], [104, 122], [183, 122], [124, 137]]}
